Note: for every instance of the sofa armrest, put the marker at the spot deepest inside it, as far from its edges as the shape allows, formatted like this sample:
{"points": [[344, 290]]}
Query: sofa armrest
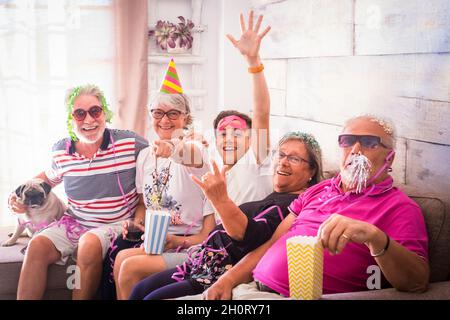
{"points": [[436, 291]]}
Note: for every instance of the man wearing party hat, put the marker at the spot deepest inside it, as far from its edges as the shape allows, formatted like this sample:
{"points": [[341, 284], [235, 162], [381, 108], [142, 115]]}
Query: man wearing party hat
{"points": [[88, 162]]}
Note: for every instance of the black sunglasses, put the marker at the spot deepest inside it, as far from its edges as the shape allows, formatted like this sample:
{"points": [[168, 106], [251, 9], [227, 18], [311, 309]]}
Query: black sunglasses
{"points": [[94, 112], [366, 141], [171, 114]]}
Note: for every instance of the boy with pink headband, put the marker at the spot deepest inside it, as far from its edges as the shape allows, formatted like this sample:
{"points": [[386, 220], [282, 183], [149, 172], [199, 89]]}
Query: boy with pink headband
{"points": [[243, 143]]}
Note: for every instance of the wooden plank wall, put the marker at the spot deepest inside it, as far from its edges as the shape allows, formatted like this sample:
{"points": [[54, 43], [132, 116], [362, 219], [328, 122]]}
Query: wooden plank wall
{"points": [[329, 60]]}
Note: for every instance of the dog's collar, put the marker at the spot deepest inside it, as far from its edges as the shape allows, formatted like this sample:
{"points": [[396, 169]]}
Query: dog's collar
{"points": [[104, 146]]}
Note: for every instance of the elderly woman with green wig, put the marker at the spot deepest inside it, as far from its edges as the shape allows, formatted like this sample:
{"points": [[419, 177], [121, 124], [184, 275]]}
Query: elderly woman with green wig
{"points": [[98, 167]]}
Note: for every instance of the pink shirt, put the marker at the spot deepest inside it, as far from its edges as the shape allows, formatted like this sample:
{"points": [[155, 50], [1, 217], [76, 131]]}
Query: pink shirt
{"points": [[381, 205]]}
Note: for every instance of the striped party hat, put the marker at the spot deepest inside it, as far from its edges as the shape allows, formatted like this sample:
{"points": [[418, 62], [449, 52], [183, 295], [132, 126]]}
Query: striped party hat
{"points": [[171, 82]]}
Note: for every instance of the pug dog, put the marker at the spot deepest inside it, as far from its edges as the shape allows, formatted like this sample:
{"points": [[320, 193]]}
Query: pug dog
{"points": [[43, 208]]}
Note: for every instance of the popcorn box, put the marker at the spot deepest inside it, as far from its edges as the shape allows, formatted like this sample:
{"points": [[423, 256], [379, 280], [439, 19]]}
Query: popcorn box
{"points": [[305, 267], [156, 226]]}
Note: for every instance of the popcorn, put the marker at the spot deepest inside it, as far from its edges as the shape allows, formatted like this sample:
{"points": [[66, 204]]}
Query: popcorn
{"points": [[156, 226], [305, 267]]}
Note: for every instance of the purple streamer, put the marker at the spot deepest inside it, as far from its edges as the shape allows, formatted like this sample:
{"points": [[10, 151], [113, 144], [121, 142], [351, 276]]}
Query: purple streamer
{"points": [[113, 247]]}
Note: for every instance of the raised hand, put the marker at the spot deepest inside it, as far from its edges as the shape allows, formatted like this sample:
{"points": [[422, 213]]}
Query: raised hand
{"points": [[250, 40], [213, 183]]}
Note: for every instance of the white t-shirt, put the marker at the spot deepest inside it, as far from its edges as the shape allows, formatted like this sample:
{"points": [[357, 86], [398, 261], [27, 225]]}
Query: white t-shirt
{"points": [[247, 180], [191, 204]]}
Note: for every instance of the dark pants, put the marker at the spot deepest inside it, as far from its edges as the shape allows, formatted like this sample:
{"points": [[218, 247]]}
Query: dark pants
{"points": [[161, 286], [107, 285]]}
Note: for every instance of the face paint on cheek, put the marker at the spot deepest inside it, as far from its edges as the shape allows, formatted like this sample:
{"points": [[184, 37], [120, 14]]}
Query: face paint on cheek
{"points": [[356, 174]]}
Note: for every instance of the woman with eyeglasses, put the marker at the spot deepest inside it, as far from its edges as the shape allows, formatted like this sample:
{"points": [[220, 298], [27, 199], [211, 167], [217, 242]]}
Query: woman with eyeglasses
{"points": [[177, 154], [297, 165]]}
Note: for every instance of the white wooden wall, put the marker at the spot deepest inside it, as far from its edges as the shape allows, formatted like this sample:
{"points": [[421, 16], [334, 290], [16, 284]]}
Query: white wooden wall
{"points": [[328, 60]]}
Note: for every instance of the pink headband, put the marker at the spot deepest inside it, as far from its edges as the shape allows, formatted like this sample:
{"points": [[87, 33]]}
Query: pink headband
{"points": [[231, 121]]}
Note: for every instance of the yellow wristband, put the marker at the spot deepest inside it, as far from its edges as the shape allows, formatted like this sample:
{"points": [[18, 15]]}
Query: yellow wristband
{"points": [[256, 69]]}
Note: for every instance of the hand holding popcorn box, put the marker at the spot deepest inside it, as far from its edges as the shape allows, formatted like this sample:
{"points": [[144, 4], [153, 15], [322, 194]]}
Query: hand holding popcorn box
{"points": [[156, 226], [305, 266]]}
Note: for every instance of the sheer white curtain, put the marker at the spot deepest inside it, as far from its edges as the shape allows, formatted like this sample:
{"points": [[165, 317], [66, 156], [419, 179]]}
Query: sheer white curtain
{"points": [[46, 46]]}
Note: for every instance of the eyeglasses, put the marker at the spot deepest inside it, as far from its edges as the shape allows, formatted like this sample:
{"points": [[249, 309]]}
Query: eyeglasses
{"points": [[94, 112], [171, 114], [366, 141], [295, 160]]}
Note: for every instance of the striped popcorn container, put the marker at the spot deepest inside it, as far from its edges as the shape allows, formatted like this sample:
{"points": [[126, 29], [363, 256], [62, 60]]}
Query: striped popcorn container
{"points": [[305, 267], [156, 226]]}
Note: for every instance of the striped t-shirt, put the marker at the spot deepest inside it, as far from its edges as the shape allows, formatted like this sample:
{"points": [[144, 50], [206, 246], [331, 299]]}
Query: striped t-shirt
{"points": [[91, 185]]}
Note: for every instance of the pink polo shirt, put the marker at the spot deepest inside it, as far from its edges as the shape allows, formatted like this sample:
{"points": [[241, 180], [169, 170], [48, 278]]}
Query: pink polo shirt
{"points": [[382, 205]]}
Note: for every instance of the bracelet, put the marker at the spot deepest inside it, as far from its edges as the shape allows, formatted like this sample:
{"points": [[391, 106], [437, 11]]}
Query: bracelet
{"points": [[256, 69], [383, 251]]}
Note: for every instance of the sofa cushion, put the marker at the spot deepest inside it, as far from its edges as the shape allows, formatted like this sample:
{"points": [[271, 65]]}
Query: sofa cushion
{"points": [[436, 291], [11, 263], [437, 221]]}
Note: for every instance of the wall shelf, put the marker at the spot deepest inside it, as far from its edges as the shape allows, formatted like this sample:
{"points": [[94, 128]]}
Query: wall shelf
{"points": [[179, 58], [196, 29]]}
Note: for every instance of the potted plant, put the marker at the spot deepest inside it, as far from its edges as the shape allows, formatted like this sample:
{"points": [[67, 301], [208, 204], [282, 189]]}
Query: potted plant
{"points": [[184, 33], [173, 38]]}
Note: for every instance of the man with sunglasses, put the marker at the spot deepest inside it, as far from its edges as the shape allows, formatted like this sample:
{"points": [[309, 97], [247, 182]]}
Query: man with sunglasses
{"points": [[98, 167], [360, 218]]}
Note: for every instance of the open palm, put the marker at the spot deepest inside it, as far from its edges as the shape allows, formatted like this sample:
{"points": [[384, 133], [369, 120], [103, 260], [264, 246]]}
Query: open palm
{"points": [[250, 40]]}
